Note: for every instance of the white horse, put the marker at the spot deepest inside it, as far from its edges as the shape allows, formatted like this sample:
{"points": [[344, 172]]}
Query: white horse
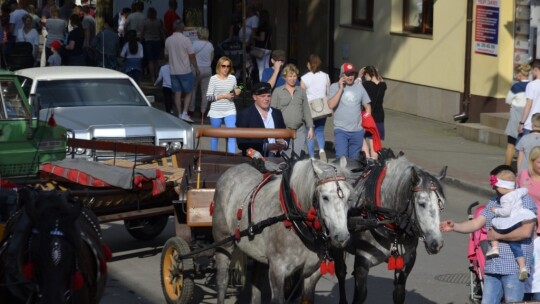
{"points": [[320, 193], [404, 200]]}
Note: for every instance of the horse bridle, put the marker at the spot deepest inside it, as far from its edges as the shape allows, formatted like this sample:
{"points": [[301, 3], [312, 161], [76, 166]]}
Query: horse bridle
{"points": [[415, 226]]}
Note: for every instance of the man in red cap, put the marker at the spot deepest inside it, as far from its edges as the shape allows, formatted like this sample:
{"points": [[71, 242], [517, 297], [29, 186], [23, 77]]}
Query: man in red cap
{"points": [[347, 100]]}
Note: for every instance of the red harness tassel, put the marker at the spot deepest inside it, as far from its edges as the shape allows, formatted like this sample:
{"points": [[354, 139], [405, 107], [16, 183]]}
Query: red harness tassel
{"points": [[28, 271], [211, 208], [331, 267], [323, 268], [78, 281], [237, 234], [391, 263], [399, 262], [239, 214]]}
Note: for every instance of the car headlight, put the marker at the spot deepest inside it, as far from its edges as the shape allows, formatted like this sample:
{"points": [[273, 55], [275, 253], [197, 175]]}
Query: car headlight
{"points": [[172, 145]]}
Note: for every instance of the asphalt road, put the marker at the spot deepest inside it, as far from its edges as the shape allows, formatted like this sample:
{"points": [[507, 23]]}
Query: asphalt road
{"points": [[442, 278]]}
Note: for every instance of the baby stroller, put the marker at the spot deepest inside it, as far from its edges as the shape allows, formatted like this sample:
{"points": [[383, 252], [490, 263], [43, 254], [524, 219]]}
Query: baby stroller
{"points": [[478, 245]]}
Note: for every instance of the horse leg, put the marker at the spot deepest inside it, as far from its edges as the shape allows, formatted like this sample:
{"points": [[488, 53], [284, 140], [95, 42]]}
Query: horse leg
{"points": [[400, 276], [308, 294], [361, 270], [341, 271], [277, 280], [260, 275], [223, 260]]}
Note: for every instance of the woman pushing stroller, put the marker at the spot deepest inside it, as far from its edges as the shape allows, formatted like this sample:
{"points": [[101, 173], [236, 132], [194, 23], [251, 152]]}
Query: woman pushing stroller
{"points": [[502, 272]]}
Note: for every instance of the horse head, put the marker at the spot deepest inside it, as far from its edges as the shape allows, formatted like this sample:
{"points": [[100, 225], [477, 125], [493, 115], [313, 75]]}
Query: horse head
{"points": [[53, 246], [329, 195], [428, 201]]}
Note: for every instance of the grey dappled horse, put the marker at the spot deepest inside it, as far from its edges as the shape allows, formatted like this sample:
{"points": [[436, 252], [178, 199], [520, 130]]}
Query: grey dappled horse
{"points": [[52, 253], [410, 200], [316, 184]]}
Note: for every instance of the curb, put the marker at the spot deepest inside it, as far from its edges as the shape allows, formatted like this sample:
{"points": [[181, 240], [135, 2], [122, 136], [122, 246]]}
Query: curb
{"points": [[466, 186]]}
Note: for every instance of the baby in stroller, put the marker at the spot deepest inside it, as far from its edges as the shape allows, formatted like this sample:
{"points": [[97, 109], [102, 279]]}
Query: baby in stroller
{"points": [[510, 215]]}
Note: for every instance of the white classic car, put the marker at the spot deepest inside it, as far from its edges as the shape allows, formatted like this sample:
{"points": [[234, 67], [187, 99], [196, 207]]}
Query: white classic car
{"points": [[102, 104]]}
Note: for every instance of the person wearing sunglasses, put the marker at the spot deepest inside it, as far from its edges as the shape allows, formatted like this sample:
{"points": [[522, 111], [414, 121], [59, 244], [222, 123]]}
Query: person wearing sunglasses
{"points": [[221, 92], [347, 98]]}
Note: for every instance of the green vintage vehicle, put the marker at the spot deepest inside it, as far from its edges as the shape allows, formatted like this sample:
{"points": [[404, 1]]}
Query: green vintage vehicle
{"points": [[25, 141]]}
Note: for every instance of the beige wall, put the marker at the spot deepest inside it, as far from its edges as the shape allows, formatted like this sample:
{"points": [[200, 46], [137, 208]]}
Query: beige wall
{"points": [[426, 73]]}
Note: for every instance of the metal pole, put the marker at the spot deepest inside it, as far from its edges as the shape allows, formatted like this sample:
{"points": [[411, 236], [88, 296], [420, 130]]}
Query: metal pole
{"points": [[244, 55]]}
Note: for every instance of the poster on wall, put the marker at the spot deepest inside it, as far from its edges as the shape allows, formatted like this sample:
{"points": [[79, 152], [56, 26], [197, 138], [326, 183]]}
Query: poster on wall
{"points": [[486, 35]]}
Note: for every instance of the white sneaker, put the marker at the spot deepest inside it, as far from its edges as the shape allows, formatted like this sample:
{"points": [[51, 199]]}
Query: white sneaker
{"points": [[322, 156], [186, 117], [492, 253]]}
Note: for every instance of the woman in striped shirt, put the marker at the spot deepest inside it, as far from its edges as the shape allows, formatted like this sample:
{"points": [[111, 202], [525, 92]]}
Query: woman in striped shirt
{"points": [[221, 91]]}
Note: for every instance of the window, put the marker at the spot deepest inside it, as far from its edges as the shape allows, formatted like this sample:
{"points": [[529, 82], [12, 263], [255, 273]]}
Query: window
{"points": [[418, 16], [362, 12]]}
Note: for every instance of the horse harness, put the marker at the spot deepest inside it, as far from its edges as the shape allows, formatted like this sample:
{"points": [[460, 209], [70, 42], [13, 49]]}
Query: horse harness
{"points": [[16, 239], [306, 225], [370, 215]]}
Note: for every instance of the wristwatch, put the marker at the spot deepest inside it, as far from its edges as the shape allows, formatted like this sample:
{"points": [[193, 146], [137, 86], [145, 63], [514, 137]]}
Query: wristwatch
{"points": [[521, 123]]}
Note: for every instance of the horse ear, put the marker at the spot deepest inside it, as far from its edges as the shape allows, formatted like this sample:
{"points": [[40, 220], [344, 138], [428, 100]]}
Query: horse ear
{"points": [[415, 177], [343, 162], [442, 174], [400, 154], [27, 199]]}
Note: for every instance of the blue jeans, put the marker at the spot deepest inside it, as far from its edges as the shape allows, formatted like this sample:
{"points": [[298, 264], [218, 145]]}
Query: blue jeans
{"points": [[318, 129], [495, 285], [348, 144], [230, 122]]}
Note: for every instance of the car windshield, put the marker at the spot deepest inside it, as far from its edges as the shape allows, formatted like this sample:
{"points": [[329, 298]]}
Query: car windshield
{"points": [[88, 92]]}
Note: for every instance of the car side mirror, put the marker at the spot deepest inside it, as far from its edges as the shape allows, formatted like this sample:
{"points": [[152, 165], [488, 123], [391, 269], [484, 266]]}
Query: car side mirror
{"points": [[151, 98]]}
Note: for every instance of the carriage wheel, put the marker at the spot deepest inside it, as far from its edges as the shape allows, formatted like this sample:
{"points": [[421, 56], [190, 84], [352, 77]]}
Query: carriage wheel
{"points": [[146, 228], [176, 276]]}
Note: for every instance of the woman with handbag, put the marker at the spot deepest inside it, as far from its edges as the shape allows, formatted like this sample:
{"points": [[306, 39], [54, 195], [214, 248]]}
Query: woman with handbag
{"points": [[262, 45], [317, 84], [376, 88]]}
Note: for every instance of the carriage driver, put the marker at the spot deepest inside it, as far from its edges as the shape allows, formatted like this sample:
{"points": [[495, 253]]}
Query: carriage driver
{"points": [[261, 115]]}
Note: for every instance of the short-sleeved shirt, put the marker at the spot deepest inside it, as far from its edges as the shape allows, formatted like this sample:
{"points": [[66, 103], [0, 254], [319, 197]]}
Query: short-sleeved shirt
{"points": [[532, 92], [134, 21], [316, 84], [178, 47], [526, 144], [347, 112], [15, 17], [54, 60], [506, 262], [89, 23], [56, 30]]}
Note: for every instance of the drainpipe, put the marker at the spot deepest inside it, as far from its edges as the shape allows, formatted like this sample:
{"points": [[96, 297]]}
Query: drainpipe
{"points": [[463, 116]]}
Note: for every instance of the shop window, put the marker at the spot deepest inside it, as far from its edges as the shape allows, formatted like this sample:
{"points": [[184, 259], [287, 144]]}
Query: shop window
{"points": [[362, 12], [418, 16]]}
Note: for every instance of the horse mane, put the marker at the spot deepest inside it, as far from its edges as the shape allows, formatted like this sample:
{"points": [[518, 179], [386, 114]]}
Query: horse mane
{"points": [[304, 179], [397, 185]]}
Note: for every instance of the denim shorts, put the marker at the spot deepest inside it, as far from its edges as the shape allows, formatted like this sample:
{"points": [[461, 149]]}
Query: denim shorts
{"points": [[182, 83]]}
